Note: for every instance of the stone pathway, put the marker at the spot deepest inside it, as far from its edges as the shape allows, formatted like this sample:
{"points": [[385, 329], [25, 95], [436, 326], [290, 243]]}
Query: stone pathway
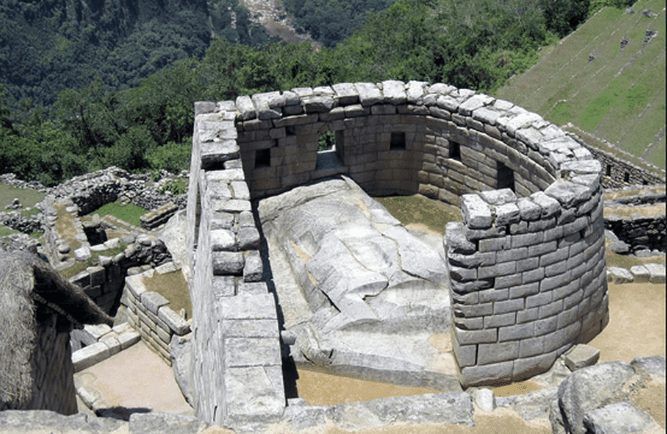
{"points": [[134, 380]]}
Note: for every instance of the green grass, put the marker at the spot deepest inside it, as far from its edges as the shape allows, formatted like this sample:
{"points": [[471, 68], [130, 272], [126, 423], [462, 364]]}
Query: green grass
{"points": [[4, 231], [174, 288], [27, 196], [129, 213], [418, 209], [619, 96]]}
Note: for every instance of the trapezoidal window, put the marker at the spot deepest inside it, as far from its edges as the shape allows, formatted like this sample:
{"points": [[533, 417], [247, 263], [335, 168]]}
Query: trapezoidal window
{"points": [[505, 177], [263, 158], [454, 150], [330, 150], [397, 141]]}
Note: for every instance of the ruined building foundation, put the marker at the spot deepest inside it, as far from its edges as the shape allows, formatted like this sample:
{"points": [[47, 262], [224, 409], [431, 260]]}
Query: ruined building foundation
{"points": [[526, 266]]}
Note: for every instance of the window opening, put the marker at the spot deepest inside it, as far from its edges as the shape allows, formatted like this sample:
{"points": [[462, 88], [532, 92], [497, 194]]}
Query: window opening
{"points": [[454, 151], [397, 141], [263, 158], [505, 177]]}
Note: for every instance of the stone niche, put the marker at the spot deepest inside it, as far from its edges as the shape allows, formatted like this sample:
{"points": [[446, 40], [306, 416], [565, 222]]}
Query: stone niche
{"points": [[526, 267]]}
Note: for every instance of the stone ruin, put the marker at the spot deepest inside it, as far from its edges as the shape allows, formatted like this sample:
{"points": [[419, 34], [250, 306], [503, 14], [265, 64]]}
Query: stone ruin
{"points": [[526, 267]]}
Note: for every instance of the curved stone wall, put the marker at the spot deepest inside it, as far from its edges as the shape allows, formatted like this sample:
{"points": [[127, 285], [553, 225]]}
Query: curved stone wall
{"points": [[526, 266]]}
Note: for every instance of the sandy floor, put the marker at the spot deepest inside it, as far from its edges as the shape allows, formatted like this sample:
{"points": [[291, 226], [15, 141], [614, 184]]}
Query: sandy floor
{"points": [[637, 316], [136, 379], [319, 388]]}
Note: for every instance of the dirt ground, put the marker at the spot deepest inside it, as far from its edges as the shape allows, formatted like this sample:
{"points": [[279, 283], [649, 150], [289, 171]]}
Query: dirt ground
{"points": [[636, 323], [135, 379]]}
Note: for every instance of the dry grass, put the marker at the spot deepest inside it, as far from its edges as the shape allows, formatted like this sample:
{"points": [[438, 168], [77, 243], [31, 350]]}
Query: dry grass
{"points": [[65, 226], [173, 287]]}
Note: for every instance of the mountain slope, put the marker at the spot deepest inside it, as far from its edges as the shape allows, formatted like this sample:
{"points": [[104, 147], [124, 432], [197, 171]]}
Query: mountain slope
{"points": [[615, 93]]}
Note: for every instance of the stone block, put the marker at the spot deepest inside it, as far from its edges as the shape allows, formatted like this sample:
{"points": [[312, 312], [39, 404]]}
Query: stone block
{"points": [[476, 212], [90, 355], [223, 240], [244, 352], [467, 337], [620, 417], [174, 321], [516, 332], [255, 328], [153, 301], [248, 238], [639, 273], [394, 92], [346, 93], [128, 338], [96, 331], [369, 94], [486, 374], [656, 273], [245, 306], [497, 352], [619, 275], [580, 356], [252, 288], [253, 269], [252, 394], [228, 263]]}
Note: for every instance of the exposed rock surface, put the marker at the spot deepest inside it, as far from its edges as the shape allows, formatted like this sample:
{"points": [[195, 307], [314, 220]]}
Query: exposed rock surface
{"points": [[361, 294], [355, 263], [590, 400]]}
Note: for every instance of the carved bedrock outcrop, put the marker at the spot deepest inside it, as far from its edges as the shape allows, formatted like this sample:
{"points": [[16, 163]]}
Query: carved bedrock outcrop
{"points": [[526, 265]]}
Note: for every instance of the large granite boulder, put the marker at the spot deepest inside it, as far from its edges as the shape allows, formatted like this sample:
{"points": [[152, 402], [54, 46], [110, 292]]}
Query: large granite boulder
{"points": [[355, 263]]}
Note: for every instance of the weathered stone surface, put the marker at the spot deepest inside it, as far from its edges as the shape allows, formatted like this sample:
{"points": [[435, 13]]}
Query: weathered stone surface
{"points": [[153, 301], [656, 273], [640, 273], [580, 356], [619, 275], [394, 92], [43, 421], [158, 423], [484, 399], [180, 349], [369, 94], [354, 258], [619, 418], [476, 213], [587, 389]]}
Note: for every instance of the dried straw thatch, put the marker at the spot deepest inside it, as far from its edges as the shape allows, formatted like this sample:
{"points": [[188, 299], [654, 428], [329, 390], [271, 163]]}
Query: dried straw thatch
{"points": [[27, 282]]}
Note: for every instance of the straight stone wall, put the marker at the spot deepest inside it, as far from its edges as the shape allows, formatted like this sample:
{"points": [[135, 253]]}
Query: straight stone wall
{"points": [[236, 365], [453, 142]]}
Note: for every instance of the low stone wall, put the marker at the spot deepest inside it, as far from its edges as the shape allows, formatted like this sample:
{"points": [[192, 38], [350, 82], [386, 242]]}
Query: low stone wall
{"points": [[150, 314], [616, 171], [640, 233], [104, 282], [99, 342], [652, 273]]}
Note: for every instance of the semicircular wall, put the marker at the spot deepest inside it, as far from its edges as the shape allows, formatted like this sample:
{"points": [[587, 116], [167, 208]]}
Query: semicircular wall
{"points": [[527, 263]]}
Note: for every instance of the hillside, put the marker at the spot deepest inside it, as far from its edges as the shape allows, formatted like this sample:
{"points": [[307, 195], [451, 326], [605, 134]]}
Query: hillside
{"points": [[52, 45], [618, 94]]}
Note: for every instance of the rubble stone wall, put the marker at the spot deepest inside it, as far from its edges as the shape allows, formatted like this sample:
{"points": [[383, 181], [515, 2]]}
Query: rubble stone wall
{"points": [[526, 266]]}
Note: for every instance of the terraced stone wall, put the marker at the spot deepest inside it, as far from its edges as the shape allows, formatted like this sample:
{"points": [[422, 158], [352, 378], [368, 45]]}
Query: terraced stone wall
{"points": [[526, 266]]}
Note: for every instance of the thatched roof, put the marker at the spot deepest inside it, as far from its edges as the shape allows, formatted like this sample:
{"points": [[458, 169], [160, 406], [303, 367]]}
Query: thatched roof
{"points": [[26, 283]]}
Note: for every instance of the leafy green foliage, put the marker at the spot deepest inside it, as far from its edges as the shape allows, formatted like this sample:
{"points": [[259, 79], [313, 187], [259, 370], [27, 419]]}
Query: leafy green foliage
{"points": [[331, 21], [175, 186]]}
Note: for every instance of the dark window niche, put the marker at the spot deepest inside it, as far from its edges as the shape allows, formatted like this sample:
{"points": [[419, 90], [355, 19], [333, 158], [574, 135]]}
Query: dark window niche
{"points": [[263, 158], [608, 169], [454, 150], [397, 142], [290, 130], [626, 177], [505, 177]]}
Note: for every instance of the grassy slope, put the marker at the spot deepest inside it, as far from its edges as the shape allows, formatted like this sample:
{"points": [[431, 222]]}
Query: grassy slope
{"points": [[619, 96], [129, 212], [27, 196]]}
